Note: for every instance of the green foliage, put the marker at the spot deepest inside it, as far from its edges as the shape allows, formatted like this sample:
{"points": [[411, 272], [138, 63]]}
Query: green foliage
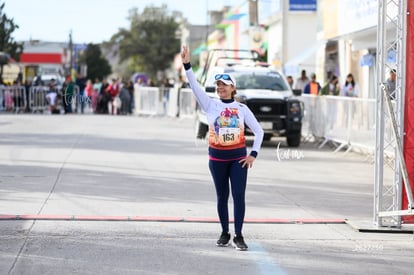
{"points": [[7, 43], [98, 66], [151, 42]]}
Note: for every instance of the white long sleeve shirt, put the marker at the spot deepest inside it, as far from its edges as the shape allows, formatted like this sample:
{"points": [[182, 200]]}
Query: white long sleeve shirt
{"points": [[226, 119]]}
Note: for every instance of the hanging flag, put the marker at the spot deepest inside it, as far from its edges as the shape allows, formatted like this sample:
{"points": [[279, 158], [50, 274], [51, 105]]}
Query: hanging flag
{"points": [[200, 49], [234, 17], [229, 20]]}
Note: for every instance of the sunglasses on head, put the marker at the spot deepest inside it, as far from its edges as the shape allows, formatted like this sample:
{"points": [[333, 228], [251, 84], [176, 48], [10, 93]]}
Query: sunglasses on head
{"points": [[223, 76]]}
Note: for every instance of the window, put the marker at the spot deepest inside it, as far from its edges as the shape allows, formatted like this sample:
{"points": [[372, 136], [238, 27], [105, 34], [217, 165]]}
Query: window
{"points": [[262, 80]]}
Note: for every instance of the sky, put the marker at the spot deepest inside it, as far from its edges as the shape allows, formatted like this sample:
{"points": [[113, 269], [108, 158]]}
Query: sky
{"points": [[93, 21]]}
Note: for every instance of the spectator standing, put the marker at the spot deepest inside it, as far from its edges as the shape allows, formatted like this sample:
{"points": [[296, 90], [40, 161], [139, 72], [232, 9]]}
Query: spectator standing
{"points": [[150, 83], [125, 97], [103, 99], [38, 82], [88, 94], [350, 88], [81, 83], [18, 97], [140, 82], [313, 87], [332, 87], [51, 97], [130, 87], [8, 98], [95, 94], [391, 83], [302, 81], [97, 86], [68, 89], [113, 90], [27, 85], [289, 79], [2, 91]]}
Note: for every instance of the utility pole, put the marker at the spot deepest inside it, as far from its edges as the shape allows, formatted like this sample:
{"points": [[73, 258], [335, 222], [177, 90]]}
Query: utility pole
{"points": [[207, 23], [253, 13], [70, 52]]}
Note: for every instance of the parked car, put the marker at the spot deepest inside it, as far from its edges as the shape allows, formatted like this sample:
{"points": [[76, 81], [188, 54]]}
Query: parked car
{"points": [[46, 78]]}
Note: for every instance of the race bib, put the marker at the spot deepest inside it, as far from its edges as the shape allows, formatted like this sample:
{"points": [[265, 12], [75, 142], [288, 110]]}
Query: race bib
{"points": [[229, 136]]}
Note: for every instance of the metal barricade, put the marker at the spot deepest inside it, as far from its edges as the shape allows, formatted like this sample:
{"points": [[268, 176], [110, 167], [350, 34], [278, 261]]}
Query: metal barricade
{"points": [[13, 99], [187, 103], [77, 100], [19, 98], [347, 121], [40, 102], [362, 123], [336, 118], [37, 99], [148, 100], [170, 102], [308, 120]]}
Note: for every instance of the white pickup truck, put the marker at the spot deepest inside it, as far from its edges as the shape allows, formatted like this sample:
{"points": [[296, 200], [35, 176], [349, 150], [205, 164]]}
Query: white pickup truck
{"points": [[266, 92]]}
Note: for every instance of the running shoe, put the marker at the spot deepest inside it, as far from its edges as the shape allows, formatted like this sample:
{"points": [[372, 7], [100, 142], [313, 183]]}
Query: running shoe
{"points": [[239, 243], [224, 239]]}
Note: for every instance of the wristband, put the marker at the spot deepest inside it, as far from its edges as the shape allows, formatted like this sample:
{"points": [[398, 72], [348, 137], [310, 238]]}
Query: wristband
{"points": [[187, 66]]}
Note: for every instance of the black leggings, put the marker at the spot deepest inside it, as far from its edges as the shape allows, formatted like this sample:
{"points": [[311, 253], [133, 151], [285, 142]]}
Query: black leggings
{"points": [[222, 172]]}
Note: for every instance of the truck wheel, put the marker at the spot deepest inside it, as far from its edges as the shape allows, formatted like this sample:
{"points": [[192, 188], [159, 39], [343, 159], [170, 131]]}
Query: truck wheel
{"points": [[200, 130], [293, 140], [267, 137]]}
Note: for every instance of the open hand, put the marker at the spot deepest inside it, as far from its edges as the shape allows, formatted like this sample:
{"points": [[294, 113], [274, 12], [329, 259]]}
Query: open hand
{"points": [[248, 161], [185, 54]]}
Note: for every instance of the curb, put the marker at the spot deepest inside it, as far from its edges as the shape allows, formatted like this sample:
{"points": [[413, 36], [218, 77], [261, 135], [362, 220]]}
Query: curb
{"points": [[363, 227]]}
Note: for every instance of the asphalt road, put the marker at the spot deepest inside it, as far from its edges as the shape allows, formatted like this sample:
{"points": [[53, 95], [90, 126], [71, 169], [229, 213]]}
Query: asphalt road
{"points": [[133, 195]]}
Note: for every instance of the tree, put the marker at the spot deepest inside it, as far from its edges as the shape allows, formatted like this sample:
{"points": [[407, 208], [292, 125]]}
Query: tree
{"points": [[98, 66], [7, 44], [152, 41]]}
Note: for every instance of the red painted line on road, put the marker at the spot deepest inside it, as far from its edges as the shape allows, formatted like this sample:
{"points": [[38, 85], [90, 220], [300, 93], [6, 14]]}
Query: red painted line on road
{"points": [[44, 217], [294, 221], [268, 220], [100, 218], [194, 219], [166, 219], [307, 221], [156, 219]]}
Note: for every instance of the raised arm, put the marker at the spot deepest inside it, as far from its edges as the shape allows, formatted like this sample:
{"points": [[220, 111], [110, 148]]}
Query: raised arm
{"points": [[202, 98]]}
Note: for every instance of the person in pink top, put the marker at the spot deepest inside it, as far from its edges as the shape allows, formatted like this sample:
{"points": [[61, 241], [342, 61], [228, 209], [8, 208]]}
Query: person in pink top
{"points": [[113, 90], [88, 93]]}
